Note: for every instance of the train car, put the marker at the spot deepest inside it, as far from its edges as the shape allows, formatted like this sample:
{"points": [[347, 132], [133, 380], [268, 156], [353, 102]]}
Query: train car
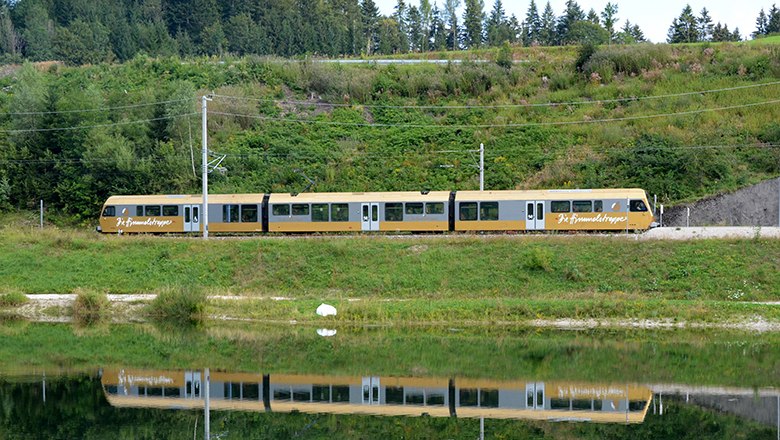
{"points": [[425, 211], [553, 210], [350, 212]]}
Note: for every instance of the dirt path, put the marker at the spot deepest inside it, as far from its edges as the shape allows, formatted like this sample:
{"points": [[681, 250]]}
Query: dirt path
{"points": [[128, 308]]}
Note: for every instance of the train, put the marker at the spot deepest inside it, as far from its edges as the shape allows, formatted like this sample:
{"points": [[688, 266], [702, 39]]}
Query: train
{"points": [[423, 211], [385, 395]]}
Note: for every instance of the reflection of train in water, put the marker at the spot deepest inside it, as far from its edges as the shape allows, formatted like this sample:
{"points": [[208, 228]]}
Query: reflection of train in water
{"points": [[426, 211], [617, 403]]}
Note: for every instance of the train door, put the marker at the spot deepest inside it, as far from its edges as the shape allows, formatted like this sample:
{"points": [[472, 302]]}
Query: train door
{"points": [[192, 384], [191, 218], [369, 216], [534, 395], [534, 216], [371, 391]]}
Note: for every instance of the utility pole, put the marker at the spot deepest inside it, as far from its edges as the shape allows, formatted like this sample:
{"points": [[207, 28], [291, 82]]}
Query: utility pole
{"points": [[206, 407], [205, 211], [481, 167]]}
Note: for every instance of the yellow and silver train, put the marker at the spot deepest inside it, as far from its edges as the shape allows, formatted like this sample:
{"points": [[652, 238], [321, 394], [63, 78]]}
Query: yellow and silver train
{"points": [[390, 396], [425, 211]]}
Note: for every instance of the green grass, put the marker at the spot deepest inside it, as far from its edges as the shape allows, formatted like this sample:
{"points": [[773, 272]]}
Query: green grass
{"points": [[12, 299], [691, 357], [457, 267], [182, 306]]}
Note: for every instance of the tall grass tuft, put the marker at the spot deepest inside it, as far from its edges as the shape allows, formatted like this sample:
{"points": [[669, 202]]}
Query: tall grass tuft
{"points": [[12, 299], [180, 306], [91, 307]]}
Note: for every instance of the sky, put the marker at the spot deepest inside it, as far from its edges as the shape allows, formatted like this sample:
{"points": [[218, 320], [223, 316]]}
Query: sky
{"points": [[653, 16]]}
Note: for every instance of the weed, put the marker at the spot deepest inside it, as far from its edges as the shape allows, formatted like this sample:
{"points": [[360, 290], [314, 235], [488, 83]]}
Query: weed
{"points": [[539, 259], [90, 307], [179, 306], [12, 299]]}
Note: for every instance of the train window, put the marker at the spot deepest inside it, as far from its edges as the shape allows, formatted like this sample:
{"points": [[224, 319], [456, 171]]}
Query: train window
{"points": [[598, 206], [488, 211], [284, 209], [488, 398], [434, 399], [414, 208], [300, 209], [616, 206], [139, 210], [319, 212], [637, 206], [468, 211], [434, 208], [339, 212], [282, 394], [152, 210], [230, 213], [340, 393], [582, 206], [394, 395], [394, 212], [560, 206], [468, 396], [110, 211], [170, 211], [249, 213], [320, 393]]}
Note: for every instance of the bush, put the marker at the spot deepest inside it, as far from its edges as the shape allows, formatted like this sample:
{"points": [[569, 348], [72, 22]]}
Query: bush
{"points": [[627, 60], [12, 299], [90, 307], [180, 306], [539, 259]]}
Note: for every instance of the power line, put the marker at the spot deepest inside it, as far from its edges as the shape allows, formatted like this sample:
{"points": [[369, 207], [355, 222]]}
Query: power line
{"points": [[500, 106], [81, 127], [98, 109], [522, 125]]}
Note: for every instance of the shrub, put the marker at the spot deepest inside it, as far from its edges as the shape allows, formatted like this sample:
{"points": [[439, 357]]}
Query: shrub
{"points": [[12, 299], [180, 306], [90, 307], [539, 259]]}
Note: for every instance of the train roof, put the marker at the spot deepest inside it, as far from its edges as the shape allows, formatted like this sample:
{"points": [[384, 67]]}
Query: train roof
{"points": [[553, 194], [400, 196]]}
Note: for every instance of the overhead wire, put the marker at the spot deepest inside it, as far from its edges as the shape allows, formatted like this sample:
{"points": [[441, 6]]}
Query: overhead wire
{"points": [[519, 125], [82, 127], [97, 109], [501, 106]]}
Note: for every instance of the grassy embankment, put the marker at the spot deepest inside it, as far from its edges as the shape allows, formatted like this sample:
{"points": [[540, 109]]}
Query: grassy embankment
{"points": [[465, 279]]}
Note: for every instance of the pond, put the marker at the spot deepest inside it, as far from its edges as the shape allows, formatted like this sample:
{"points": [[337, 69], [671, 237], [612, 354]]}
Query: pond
{"points": [[243, 381]]}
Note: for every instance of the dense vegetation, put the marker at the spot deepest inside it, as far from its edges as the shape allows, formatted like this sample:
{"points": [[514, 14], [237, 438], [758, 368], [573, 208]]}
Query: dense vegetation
{"points": [[72, 136]]}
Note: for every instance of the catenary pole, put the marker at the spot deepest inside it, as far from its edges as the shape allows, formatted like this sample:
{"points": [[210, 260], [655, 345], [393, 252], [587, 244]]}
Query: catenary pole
{"points": [[481, 167], [205, 210]]}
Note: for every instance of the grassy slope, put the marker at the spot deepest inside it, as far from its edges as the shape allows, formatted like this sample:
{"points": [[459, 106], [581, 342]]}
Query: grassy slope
{"points": [[437, 279]]}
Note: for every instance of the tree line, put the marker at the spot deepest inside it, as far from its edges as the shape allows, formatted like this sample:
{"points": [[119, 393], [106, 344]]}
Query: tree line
{"points": [[94, 31]]}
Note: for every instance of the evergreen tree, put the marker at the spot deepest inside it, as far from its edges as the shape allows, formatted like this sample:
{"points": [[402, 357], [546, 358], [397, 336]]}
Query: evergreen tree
{"points": [[571, 15], [400, 15], [9, 39], [773, 23], [451, 18], [498, 29], [438, 30], [684, 29], [369, 15], [705, 25], [609, 17], [244, 36], [473, 18], [415, 28], [533, 25], [593, 17], [515, 29], [736, 35], [762, 22], [547, 31], [425, 24], [389, 36]]}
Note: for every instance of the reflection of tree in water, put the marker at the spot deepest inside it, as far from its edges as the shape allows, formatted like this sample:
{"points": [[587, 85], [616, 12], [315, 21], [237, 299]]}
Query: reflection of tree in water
{"points": [[75, 408]]}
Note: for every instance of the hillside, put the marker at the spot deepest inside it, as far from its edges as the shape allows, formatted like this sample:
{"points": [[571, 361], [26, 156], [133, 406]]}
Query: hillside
{"points": [[681, 121]]}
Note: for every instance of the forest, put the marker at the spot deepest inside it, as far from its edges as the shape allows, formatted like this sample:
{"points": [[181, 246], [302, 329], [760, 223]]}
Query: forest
{"points": [[92, 31]]}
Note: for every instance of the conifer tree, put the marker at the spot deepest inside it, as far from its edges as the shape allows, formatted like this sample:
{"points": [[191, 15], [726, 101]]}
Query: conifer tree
{"points": [[705, 25], [684, 29], [547, 31], [533, 25], [571, 15], [451, 18], [762, 22], [473, 18], [609, 17]]}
